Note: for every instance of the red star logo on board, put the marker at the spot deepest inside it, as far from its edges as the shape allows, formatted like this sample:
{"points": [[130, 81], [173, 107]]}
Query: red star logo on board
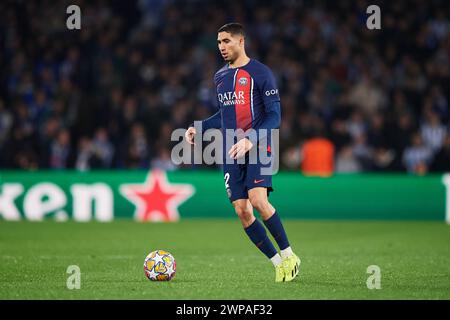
{"points": [[157, 199]]}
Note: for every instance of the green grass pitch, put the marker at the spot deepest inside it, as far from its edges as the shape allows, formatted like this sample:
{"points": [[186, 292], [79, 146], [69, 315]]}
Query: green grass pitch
{"points": [[215, 260]]}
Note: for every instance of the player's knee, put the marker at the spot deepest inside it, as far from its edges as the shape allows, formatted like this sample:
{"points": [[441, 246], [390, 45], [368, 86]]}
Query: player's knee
{"points": [[244, 212], [259, 203]]}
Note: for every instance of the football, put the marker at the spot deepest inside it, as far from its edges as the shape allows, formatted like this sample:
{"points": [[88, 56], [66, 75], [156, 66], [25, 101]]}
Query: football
{"points": [[160, 265]]}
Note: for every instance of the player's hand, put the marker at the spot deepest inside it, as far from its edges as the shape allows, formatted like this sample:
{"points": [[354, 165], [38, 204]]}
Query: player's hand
{"points": [[189, 135], [240, 149]]}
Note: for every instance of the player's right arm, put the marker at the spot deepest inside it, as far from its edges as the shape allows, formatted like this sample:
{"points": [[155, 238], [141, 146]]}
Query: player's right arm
{"points": [[213, 122]]}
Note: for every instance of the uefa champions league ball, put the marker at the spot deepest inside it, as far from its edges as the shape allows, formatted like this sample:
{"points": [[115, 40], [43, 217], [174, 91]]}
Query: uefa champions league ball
{"points": [[160, 265]]}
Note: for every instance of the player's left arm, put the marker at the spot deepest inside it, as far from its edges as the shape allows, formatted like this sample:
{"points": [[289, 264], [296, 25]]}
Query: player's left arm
{"points": [[271, 120]]}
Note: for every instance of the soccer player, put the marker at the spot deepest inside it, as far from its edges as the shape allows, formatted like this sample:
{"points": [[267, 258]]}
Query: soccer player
{"points": [[248, 99]]}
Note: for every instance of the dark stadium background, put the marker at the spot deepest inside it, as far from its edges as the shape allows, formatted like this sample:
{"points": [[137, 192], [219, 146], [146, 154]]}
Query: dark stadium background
{"points": [[110, 94], [86, 117]]}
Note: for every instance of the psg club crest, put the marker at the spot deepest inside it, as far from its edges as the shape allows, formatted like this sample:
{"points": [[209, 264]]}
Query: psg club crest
{"points": [[243, 81]]}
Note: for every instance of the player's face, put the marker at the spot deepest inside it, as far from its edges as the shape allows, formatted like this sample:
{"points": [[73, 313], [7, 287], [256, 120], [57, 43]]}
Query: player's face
{"points": [[230, 46]]}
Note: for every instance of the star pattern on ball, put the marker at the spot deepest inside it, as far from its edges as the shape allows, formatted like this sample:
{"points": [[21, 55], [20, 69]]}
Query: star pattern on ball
{"points": [[156, 199], [152, 274], [159, 265], [170, 270], [158, 259]]}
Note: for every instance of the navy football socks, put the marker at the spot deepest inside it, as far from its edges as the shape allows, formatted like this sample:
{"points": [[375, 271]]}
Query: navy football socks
{"points": [[276, 229], [257, 233]]}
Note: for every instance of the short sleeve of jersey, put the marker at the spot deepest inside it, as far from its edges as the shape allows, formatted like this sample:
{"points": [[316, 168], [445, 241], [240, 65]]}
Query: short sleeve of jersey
{"points": [[268, 87]]}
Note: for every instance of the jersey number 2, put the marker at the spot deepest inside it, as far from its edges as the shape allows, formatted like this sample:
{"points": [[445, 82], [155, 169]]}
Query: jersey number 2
{"points": [[226, 177]]}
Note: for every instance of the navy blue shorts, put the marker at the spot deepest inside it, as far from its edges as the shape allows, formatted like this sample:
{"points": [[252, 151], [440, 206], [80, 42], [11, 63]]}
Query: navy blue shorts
{"points": [[239, 178]]}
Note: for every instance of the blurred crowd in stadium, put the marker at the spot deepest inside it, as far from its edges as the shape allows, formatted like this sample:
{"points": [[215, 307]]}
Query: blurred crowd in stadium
{"points": [[110, 95]]}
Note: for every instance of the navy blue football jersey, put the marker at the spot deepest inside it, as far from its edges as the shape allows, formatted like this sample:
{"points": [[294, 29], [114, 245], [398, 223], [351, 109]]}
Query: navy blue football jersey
{"points": [[242, 94]]}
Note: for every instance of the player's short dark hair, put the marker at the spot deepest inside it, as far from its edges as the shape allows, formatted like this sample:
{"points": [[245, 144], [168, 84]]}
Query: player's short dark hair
{"points": [[233, 28]]}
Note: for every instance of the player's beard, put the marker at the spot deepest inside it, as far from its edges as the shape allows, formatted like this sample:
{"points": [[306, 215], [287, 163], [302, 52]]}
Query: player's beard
{"points": [[227, 58], [231, 58]]}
